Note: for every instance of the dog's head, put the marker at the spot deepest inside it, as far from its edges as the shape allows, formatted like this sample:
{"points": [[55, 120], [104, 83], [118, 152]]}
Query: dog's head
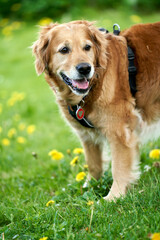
{"points": [[71, 52]]}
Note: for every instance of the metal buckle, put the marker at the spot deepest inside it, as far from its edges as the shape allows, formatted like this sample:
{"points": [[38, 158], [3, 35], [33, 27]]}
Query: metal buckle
{"points": [[116, 31]]}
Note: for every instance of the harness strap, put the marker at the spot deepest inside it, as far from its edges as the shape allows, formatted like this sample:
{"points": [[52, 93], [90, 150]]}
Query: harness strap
{"points": [[132, 71]]}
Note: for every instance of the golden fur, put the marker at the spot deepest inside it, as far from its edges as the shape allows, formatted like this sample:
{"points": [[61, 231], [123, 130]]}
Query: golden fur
{"points": [[109, 105]]}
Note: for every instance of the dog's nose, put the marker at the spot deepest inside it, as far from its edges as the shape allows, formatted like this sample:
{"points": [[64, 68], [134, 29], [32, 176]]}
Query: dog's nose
{"points": [[83, 68]]}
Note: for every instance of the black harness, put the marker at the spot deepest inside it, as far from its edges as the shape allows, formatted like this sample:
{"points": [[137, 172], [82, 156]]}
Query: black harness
{"points": [[77, 111], [132, 71]]}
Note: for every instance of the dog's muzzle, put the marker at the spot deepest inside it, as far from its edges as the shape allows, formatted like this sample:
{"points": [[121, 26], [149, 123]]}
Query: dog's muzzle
{"points": [[81, 85]]}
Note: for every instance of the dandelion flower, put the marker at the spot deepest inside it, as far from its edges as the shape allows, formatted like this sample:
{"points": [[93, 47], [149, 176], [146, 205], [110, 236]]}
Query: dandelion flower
{"points": [[15, 97], [78, 151], [21, 96], [154, 154], [12, 132], [85, 166], [10, 102], [68, 151], [155, 236], [7, 31], [45, 21], [21, 140], [89, 203], [44, 238], [31, 129], [55, 155], [5, 142], [74, 161], [49, 203], [80, 176], [18, 96], [135, 19]]}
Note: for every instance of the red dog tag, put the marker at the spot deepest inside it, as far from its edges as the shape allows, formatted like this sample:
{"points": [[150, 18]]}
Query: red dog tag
{"points": [[80, 113]]}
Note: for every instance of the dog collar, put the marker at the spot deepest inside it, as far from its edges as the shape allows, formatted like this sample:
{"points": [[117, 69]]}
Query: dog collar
{"points": [[77, 113]]}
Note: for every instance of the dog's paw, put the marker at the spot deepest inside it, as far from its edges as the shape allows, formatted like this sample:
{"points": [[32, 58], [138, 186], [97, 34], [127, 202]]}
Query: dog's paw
{"points": [[114, 195], [113, 198], [110, 198]]}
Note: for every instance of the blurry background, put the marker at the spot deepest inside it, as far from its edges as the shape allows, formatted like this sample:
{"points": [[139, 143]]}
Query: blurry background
{"points": [[31, 10]]}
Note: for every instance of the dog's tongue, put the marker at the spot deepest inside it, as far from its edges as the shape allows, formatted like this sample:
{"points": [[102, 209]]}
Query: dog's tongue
{"points": [[81, 84]]}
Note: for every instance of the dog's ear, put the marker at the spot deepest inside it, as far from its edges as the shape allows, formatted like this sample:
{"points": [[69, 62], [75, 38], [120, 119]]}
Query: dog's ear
{"points": [[40, 48], [100, 43]]}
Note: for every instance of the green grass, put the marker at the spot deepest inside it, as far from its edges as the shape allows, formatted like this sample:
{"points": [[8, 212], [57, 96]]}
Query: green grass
{"points": [[27, 183]]}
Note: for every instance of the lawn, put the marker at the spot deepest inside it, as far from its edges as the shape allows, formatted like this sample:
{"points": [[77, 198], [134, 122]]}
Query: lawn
{"points": [[31, 126]]}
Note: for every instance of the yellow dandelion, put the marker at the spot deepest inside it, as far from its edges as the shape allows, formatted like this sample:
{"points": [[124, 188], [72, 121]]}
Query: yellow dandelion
{"points": [[1, 108], [1, 129], [155, 236], [11, 102], [85, 166], [5, 142], [135, 19], [45, 21], [21, 96], [68, 151], [55, 155], [12, 132], [21, 126], [80, 176], [154, 154], [49, 203], [21, 140], [15, 7], [78, 151], [44, 238], [89, 203], [7, 31], [31, 129], [18, 96], [74, 161]]}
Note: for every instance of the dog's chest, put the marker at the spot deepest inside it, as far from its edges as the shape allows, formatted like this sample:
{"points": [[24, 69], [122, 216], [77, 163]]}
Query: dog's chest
{"points": [[150, 132]]}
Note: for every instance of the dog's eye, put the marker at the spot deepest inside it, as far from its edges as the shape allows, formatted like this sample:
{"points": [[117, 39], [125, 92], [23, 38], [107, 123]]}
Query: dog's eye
{"points": [[87, 47], [64, 50]]}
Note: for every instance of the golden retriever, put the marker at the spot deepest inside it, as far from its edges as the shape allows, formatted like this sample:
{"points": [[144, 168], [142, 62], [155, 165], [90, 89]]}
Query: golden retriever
{"points": [[88, 68]]}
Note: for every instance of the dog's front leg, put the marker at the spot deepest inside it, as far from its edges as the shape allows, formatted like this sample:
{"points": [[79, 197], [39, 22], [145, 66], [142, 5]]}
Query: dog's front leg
{"points": [[93, 155], [124, 167]]}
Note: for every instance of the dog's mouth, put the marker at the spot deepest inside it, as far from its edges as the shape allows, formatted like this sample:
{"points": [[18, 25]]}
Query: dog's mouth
{"points": [[78, 85]]}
